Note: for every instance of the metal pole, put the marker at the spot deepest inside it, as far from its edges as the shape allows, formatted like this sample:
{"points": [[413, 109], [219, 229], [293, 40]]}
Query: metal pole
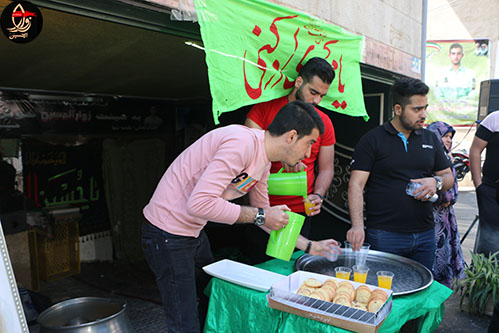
{"points": [[469, 229], [423, 38]]}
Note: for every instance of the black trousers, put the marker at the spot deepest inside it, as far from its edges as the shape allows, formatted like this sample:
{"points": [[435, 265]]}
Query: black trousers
{"points": [[488, 210]]}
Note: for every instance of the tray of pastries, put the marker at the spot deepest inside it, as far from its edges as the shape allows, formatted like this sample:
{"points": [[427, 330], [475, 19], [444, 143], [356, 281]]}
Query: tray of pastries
{"points": [[410, 276]]}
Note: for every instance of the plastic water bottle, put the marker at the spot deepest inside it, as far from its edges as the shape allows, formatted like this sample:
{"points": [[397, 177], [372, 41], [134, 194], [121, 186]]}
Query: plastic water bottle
{"points": [[411, 187]]}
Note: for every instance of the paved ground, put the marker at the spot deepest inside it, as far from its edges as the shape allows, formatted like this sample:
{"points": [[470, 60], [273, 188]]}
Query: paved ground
{"points": [[136, 285], [454, 319]]}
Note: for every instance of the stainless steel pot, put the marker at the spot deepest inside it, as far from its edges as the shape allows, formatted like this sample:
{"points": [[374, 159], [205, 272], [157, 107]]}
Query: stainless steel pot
{"points": [[86, 314]]}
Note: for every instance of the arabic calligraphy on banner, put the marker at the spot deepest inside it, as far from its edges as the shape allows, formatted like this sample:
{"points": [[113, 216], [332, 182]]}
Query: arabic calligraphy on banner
{"points": [[62, 177], [255, 50]]}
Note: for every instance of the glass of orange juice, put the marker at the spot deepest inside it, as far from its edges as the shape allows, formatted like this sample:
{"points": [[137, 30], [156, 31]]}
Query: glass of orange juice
{"points": [[360, 273], [385, 279], [343, 272], [308, 205]]}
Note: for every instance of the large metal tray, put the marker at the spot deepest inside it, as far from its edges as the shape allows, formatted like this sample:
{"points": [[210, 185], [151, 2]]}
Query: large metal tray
{"points": [[410, 276]]}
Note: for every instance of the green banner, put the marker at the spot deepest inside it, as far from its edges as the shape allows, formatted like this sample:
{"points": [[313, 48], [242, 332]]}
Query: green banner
{"points": [[255, 50]]}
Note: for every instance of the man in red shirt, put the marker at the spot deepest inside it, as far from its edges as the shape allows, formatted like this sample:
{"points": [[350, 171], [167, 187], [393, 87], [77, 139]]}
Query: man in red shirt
{"points": [[310, 86]]}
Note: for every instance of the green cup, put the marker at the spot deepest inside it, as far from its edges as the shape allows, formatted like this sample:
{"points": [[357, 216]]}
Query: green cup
{"points": [[282, 242], [288, 183]]}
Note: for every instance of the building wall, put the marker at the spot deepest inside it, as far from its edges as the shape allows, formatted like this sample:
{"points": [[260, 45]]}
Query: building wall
{"points": [[392, 28], [478, 19]]}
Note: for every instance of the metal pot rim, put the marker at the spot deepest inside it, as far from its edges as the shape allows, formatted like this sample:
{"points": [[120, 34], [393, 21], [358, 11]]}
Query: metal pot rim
{"points": [[79, 300]]}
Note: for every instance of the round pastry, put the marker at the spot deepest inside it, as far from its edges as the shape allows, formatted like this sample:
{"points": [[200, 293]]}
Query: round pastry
{"points": [[305, 291], [311, 282], [347, 284], [330, 289], [332, 282], [325, 293], [346, 289], [374, 305], [363, 294], [379, 293], [360, 306], [342, 300], [318, 295], [344, 294]]}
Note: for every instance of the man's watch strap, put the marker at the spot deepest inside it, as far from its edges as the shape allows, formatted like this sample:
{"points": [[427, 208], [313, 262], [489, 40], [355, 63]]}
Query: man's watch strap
{"points": [[439, 183], [259, 219], [320, 196], [309, 246]]}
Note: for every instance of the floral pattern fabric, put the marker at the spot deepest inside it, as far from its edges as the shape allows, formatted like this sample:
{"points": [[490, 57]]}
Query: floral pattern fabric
{"points": [[449, 263]]}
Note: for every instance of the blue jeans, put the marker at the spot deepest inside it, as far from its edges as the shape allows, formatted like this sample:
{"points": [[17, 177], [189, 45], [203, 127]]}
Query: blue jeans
{"points": [[416, 246], [177, 263]]}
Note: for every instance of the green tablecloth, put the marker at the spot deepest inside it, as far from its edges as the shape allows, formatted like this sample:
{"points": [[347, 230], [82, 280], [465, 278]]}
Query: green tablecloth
{"points": [[234, 308]]}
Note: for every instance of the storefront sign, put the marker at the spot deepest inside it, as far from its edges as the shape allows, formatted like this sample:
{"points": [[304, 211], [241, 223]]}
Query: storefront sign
{"points": [[58, 177], [255, 49], [25, 116]]}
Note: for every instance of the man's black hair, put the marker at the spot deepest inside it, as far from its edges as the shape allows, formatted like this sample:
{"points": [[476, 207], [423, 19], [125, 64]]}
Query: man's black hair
{"points": [[403, 89], [297, 115], [317, 67]]}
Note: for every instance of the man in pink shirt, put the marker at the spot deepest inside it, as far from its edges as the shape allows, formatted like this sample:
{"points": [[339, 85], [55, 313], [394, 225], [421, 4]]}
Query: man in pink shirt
{"points": [[310, 86], [224, 164]]}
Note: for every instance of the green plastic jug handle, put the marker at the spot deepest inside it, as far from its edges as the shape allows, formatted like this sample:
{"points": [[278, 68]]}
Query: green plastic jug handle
{"points": [[280, 171]]}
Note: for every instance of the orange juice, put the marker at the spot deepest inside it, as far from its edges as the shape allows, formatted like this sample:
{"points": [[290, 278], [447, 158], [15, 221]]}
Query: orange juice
{"points": [[308, 205], [385, 281], [360, 277], [343, 275]]}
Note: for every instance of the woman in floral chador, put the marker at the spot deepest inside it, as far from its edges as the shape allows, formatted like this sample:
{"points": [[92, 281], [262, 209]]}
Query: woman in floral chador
{"points": [[449, 262]]}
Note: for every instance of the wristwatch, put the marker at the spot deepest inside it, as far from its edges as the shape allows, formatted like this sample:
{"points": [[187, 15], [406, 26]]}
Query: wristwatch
{"points": [[439, 183], [260, 217]]}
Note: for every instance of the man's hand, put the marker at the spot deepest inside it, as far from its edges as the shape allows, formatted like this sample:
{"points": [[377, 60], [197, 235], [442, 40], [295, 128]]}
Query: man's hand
{"points": [[356, 237], [294, 168], [428, 188], [276, 217], [320, 248], [317, 201]]}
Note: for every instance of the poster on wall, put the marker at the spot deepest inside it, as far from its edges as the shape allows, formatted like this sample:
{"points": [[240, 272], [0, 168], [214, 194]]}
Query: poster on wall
{"points": [[454, 70]]}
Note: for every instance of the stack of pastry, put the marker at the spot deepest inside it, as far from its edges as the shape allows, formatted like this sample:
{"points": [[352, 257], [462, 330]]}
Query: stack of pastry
{"points": [[344, 293], [314, 288], [377, 299]]}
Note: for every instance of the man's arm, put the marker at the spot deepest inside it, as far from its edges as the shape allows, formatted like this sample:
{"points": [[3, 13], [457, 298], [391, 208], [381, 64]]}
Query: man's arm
{"points": [[251, 124], [358, 180], [446, 177], [477, 147], [325, 173], [429, 184], [275, 217]]}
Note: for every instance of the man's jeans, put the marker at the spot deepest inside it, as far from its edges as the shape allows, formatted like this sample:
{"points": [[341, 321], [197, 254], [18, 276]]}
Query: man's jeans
{"points": [[176, 261], [416, 246]]}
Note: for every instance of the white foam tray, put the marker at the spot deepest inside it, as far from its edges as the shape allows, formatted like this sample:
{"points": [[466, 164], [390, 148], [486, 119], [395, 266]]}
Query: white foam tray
{"points": [[242, 274]]}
